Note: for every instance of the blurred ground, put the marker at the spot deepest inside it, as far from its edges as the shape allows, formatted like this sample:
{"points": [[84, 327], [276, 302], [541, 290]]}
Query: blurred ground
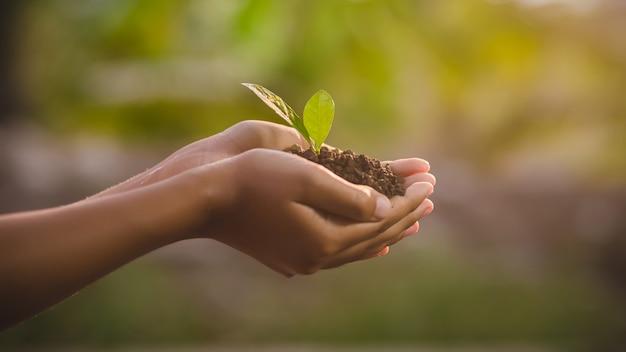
{"points": [[307, 349]]}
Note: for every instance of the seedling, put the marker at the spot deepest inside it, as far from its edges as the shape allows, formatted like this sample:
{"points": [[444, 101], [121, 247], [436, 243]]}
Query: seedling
{"points": [[314, 126], [316, 120]]}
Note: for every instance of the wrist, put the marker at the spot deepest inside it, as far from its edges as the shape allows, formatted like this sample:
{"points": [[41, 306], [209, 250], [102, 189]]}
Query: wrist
{"points": [[208, 195], [182, 206], [158, 214]]}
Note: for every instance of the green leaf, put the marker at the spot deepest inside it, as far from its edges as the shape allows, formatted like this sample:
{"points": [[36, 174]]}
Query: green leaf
{"points": [[318, 117], [280, 107]]}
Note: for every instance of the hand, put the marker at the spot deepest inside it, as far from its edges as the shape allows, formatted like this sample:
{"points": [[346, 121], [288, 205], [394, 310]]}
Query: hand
{"points": [[414, 170], [279, 183], [297, 217], [237, 139]]}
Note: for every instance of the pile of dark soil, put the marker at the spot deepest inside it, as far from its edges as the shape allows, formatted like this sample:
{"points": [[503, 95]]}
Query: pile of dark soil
{"points": [[356, 168]]}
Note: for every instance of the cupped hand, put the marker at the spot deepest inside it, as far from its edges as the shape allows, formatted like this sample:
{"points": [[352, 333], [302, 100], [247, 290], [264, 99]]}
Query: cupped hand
{"points": [[237, 139], [297, 217], [290, 214]]}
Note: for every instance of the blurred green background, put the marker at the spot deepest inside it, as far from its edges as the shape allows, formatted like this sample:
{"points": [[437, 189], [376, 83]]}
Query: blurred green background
{"points": [[519, 106]]}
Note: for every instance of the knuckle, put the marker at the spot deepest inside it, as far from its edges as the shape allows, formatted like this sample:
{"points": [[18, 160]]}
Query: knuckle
{"points": [[309, 175], [251, 125], [325, 247], [308, 268], [381, 227], [326, 250], [318, 256], [366, 201], [244, 127]]}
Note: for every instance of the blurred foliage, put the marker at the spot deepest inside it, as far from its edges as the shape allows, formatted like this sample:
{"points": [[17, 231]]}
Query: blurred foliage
{"points": [[489, 78], [491, 83]]}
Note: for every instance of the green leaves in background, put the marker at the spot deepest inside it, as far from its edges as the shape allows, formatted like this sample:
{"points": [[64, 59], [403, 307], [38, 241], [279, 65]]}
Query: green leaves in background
{"points": [[318, 114], [318, 117]]}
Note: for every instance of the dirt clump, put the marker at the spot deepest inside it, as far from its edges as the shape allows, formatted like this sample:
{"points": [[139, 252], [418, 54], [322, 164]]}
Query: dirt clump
{"points": [[356, 168]]}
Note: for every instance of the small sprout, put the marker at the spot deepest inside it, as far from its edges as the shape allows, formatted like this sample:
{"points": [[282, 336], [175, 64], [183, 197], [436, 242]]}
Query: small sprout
{"points": [[317, 117]]}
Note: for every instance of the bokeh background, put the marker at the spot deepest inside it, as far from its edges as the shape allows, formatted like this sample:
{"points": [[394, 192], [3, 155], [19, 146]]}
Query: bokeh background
{"points": [[520, 107]]}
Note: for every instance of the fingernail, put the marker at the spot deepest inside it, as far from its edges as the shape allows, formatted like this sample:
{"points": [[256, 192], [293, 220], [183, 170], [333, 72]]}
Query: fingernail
{"points": [[384, 251], [383, 208], [411, 230], [428, 211], [421, 188]]}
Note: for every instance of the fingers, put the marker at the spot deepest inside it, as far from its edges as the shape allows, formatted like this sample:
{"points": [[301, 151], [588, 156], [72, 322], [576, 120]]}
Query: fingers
{"points": [[311, 218], [340, 241], [409, 211], [407, 167], [413, 229], [406, 211], [330, 193], [413, 210], [362, 203], [252, 134], [424, 209], [414, 170], [301, 181], [419, 177]]}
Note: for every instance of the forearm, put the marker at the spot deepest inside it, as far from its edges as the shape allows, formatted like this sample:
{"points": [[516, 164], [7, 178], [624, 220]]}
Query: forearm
{"points": [[50, 254]]}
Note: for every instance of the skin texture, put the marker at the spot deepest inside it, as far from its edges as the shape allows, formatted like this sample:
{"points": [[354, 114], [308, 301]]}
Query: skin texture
{"points": [[236, 187]]}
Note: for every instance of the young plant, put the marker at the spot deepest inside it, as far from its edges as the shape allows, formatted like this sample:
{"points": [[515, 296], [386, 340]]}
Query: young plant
{"points": [[316, 120]]}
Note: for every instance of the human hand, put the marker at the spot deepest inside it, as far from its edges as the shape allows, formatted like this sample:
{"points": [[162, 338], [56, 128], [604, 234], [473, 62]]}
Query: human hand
{"points": [[414, 170], [237, 139], [284, 191], [297, 217]]}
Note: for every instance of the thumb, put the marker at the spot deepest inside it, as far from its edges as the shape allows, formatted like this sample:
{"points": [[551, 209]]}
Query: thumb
{"points": [[333, 194]]}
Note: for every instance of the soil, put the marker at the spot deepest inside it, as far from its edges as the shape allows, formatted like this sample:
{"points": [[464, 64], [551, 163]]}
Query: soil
{"points": [[356, 168]]}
